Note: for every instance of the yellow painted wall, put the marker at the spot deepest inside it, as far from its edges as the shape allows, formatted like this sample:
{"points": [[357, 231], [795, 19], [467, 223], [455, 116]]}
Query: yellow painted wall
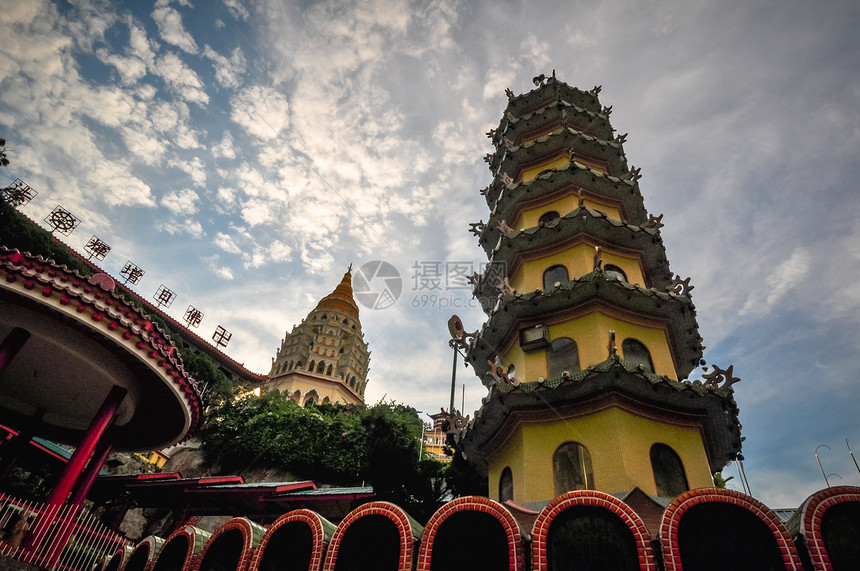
{"points": [[619, 442], [579, 261], [290, 383], [591, 334], [531, 173]]}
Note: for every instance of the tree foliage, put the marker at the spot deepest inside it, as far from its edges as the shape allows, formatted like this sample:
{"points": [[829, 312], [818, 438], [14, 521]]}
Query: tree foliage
{"points": [[346, 445]]}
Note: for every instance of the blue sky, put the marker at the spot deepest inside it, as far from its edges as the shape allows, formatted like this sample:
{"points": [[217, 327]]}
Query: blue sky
{"points": [[245, 153]]}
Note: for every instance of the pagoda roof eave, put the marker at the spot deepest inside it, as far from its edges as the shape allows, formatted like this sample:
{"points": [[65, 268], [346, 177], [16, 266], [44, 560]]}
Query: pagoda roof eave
{"points": [[611, 382], [580, 222], [563, 138], [502, 197], [513, 310]]}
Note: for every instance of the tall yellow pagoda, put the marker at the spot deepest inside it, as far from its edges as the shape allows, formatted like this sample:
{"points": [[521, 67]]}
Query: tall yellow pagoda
{"points": [[324, 359], [589, 337]]}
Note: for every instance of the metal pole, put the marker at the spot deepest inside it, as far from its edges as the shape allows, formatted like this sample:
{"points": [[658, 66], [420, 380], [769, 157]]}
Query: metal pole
{"points": [[453, 386], [852, 455], [820, 467]]}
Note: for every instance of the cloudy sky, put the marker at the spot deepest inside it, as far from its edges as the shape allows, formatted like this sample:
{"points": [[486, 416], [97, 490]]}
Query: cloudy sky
{"points": [[244, 154]]}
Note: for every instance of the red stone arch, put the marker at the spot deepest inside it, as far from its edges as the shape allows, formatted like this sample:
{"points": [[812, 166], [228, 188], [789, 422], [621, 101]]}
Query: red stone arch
{"points": [[143, 554], [114, 562], [252, 533], [673, 514], [313, 520], [194, 538], [474, 503], [569, 500], [812, 512], [403, 522]]}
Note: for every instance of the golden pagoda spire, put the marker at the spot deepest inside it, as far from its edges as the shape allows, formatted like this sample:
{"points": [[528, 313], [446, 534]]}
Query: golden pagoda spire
{"points": [[341, 298]]}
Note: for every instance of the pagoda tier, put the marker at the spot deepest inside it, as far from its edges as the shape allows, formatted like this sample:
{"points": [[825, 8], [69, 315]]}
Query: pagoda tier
{"points": [[641, 245], [709, 408], [672, 315]]}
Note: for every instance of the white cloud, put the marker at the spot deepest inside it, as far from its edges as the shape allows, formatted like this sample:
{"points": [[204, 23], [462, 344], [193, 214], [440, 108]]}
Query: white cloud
{"points": [[181, 201], [169, 22], [181, 78], [228, 71], [262, 111], [226, 243], [778, 283], [236, 9], [226, 148]]}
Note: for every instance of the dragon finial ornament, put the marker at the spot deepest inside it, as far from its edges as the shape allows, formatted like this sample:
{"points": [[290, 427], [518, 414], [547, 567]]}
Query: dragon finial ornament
{"points": [[596, 89], [488, 158], [607, 111], [501, 375], [491, 133], [680, 287], [474, 278], [477, 228], [598, 260], [717, 376], [634, 173], [509, 93], [539, 80], [484, 191], [654, 222], [621, 139]]}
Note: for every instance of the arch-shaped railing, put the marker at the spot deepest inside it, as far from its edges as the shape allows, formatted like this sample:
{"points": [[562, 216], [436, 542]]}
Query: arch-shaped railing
{"points": [[579, 498], [513, 535], [408, 532], [674, 514]]}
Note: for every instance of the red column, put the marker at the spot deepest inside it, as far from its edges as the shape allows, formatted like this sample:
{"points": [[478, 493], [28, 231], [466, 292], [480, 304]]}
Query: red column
{"points": [[84, 485], [101, 422], [11, 345]]}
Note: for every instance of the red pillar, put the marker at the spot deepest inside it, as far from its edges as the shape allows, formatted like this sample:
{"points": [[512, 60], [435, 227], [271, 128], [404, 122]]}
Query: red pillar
{"points": [[101, 422], [84, 485], [11, 345]]}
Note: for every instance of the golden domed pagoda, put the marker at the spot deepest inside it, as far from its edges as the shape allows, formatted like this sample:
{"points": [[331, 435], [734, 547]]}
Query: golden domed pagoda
{"points": [[324, 359], [589, 338]]}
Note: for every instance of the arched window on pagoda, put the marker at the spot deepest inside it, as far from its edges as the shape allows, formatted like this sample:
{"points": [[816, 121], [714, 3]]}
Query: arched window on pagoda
{"points": [[328, 371], [506, 485], [636, 353], [297, 395], [321, 367], [311, 365], [554, 274], [669, 474], [614, 272], [548, 217], [571, 468], [298, 364], [562, 355]]}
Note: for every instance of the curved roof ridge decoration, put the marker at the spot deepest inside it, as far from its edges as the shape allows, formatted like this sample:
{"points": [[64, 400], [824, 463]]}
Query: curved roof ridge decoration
{"points": [[809, 518], [675, 512], [91, 307], [568, 500], [497, 159], [513, 533], [185, 332], [408, 530], [626, 182], [321, 534]]}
